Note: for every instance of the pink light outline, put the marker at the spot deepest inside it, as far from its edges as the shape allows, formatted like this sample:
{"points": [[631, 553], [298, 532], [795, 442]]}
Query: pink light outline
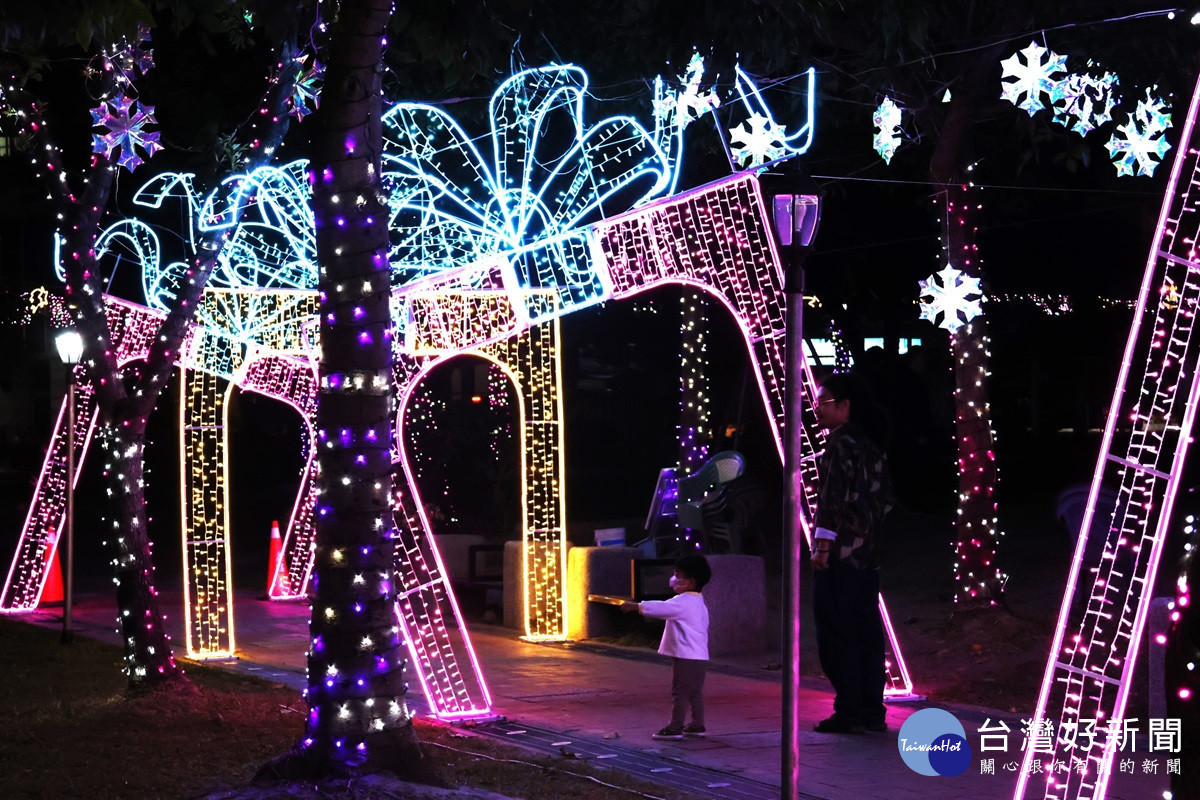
{"points": [[37, 492], [1104, 770], [244, 381]]}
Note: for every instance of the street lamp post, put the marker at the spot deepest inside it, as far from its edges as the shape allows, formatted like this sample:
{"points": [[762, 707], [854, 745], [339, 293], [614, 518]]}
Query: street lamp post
{"points": [[70, 350], [796, 210]]}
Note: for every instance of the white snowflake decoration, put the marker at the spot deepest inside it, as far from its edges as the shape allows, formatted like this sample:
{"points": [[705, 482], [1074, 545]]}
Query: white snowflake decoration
{"points": [[1086, 99], [1034, 78], [1140, 141], [125, 131], [678, 107], [953, 295], [756, 141], [887, 129]]}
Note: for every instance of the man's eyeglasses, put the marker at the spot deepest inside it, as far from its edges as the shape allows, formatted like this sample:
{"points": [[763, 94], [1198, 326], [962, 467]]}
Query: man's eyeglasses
{"points": [[828, 400]]}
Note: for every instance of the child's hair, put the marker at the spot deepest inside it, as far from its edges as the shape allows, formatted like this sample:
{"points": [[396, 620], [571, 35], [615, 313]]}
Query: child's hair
{"points": [[695, 567]]}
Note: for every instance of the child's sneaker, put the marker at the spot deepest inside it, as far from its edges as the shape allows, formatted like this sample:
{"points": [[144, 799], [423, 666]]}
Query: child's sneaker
{"points": [[668, 733], [692, 729]]}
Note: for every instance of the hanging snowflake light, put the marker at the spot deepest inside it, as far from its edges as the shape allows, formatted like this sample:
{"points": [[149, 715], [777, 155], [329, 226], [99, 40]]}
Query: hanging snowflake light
{"points": [[756, 141], [953, 295], [306, 94], [133, 58], [126, 130], [1034, 78], [676, 108], [1086, 99], [887, 129], [1141, 141]]}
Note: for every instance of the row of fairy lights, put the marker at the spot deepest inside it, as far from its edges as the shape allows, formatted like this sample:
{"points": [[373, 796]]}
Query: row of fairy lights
{"points": [[424, 594], [695, 401], [351, 698], [424, 416], [679, 239], [117, 67], [1182, 684], [534, 360], [742, 268], [46, 167], [1129, 536], [294, 382], [1133, 538], [975, 570], [39, 537], [205, 538]]}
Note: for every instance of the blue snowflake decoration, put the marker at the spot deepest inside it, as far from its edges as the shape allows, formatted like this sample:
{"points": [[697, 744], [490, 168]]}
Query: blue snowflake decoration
{"points": [[887, 129], [1086, 99], [126, 130], [1033, 78], [307, 92], [1140, 142]]}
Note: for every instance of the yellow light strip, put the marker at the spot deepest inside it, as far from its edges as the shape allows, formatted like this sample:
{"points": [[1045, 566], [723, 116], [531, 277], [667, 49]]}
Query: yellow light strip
{"points": [[207, 576]]}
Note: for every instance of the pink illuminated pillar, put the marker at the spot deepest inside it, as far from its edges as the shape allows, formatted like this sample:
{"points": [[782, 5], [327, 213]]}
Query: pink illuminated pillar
{"points": [[1150, 422]]}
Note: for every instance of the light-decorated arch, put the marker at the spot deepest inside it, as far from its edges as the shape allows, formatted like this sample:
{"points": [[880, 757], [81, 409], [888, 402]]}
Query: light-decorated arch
{"points": [[507, 246]]}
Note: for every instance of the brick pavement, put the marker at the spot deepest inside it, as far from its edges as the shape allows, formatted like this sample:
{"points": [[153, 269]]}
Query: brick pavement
{"points": [[589, 693]]}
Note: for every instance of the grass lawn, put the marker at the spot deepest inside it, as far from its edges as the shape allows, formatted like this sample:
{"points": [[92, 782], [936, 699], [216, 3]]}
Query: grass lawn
{"points": [[68, 729]]}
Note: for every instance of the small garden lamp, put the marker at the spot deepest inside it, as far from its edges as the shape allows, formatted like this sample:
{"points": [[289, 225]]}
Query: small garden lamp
{"points": [[70, 350]]}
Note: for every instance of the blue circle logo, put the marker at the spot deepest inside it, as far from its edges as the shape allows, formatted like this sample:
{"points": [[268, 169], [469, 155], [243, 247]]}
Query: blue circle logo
{"points": [[933, 742]]}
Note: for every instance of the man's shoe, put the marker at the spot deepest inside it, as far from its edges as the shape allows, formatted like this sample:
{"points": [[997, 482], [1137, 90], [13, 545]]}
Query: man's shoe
{"points": [[876, 727], [692, 729], [668, 733], [836, 724]]}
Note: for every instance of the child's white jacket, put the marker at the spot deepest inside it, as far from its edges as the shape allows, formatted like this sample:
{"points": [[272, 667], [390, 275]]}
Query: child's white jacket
{"points": [[686, 635]]}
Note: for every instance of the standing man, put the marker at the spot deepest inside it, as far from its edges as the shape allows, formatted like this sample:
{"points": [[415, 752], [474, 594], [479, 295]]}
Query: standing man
{"points": [[854, 495]]}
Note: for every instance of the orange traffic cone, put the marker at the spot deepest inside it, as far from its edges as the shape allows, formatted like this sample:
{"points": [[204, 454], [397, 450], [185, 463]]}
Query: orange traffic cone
{"points": [[277, 574], [52, 589]]}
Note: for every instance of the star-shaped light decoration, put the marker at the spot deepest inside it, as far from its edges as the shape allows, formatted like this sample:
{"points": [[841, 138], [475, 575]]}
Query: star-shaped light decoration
{"points": [[1034, 78], [887, 129], [125, 131], [953, 295], [1086, 99], [306, 93], [1140, 141]]}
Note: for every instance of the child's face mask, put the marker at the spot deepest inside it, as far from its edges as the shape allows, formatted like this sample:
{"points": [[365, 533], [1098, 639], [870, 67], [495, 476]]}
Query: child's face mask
{"points": [[676, 582]]}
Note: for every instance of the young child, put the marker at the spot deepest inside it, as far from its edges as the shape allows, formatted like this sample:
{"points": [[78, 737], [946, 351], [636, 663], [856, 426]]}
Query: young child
{"points": [[686, 641]]}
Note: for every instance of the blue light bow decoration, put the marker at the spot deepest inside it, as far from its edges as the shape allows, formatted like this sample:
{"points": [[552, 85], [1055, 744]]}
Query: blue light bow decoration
{"points": [[523, 207], [758, 139], [548, 175], [271, 242]]}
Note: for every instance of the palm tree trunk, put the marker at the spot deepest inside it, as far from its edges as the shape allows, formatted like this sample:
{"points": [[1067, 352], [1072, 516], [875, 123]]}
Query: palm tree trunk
{"points": [[358, 720]]}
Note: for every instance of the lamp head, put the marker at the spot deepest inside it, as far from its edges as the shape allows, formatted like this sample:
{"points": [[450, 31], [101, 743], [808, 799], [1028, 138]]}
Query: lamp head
{"points": [[70, 346]]}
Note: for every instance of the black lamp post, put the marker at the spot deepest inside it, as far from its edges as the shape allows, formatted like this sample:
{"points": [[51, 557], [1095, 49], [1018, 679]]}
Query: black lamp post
{"points": [[70, 350], [796, 211]]}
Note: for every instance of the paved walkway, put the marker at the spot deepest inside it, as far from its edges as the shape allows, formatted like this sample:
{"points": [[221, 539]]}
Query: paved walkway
{"points": [[606, 702]]}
